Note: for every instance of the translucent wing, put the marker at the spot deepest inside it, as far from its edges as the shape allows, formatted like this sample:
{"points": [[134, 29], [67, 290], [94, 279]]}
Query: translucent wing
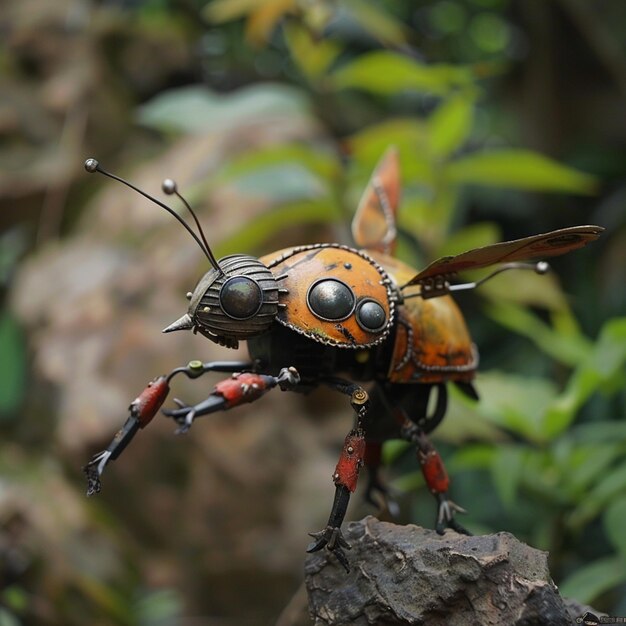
{"points": [[549, 244], [374, 223]]}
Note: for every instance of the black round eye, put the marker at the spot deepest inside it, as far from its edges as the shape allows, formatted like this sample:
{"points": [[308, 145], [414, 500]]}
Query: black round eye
{"points": [[240, 297], [370, 315], [331, 299]]}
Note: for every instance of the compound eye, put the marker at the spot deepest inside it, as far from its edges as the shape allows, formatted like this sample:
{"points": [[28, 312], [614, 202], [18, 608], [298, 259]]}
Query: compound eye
{"points": [[240, 297], [331, 299], [370, 315]]}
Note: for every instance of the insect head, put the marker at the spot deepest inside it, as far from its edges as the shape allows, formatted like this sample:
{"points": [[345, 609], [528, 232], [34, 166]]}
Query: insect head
{"points": [[236, 299]]}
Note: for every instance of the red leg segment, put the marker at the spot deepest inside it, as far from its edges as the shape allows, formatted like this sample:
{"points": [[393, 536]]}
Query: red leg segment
{"points": [[350, 460], [345, 475], [240, 388], [142, 410], [146, 405], [433, 469], [437, 481]]}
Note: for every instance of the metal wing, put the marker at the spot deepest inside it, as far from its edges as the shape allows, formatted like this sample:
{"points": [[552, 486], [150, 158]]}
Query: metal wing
{"points": [[549, 244], [374, 223]]}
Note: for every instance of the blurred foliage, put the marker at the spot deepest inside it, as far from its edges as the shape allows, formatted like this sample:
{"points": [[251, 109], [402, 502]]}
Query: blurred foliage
{"points": [[508, 117]]}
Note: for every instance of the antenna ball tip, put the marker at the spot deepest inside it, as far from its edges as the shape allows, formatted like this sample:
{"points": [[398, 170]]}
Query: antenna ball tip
{"points": [[91, 165], [542, 267], [169, 186]]}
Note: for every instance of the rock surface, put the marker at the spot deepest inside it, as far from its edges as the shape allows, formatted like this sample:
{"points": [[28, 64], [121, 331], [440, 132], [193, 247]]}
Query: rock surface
{"points": [[411, 575]]}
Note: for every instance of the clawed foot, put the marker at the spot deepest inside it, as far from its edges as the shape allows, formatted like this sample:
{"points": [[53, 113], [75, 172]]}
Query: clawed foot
{"points": [[183, 416], [288, 378], [445, 516], [93, 470], [331, 538]]}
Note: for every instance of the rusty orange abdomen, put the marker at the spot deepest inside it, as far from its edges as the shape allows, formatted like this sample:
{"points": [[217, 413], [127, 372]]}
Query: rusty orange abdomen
{"points": [[346, 298], [432, 343]]}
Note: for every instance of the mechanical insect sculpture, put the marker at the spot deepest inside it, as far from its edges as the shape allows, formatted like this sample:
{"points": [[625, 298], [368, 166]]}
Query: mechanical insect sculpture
{"points": [[329, 314]]}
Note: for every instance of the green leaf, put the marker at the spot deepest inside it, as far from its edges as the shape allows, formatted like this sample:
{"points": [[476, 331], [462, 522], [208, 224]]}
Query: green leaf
{"points": [[226, 10], [394, 449], [281, 183], [384, 72], [465, 423], [590, 462], [614, 518], [607, 489], [587, 464], [515, 402], [312, 56], [369, 144], [604, 368], [428, 216], [543, 479], [470, 237], [531, 289], [609, 354], [15, 597], [380, 24], [473, 456], [261, 229], [599, 432], [507, 472], [408, 135], [569, 348], [450, 125], [408, 482], [591, 580], [12, 365], [198, 109], [323, 163], [425, 215], [519, 169]]}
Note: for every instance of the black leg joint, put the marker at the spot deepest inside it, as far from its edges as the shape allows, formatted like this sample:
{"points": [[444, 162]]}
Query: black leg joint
{"points": [[428, 423], [123, 437], [340, 506]]}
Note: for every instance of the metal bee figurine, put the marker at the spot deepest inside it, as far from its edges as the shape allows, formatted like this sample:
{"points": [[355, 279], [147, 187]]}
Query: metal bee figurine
{"points": [[330, 314]]}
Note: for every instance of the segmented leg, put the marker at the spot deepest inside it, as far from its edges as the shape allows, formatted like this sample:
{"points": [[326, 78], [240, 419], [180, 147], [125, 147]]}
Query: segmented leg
{"points": [[240, 388], [436, 478], [143, 409], [376, 492], [345, 475], [409, 405]]}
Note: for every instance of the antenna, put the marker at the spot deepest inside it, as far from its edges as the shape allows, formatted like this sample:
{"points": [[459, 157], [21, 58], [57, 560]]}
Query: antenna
{"points": [[170, 187], [436, 286], [92, 165], [541, 267]]}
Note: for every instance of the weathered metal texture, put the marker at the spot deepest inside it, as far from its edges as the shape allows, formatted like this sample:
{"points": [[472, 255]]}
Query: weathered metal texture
{"points": [[432, 342], [336, 295], [212, 308], [350, 460]]}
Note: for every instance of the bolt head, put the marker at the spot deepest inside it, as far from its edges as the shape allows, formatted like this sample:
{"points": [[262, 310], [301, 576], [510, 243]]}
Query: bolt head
{"points": [[91, 165], [169, 186]]}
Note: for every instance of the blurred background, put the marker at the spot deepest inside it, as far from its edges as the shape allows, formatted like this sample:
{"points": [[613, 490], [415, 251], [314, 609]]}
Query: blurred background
{"points": [[271, 114]]}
